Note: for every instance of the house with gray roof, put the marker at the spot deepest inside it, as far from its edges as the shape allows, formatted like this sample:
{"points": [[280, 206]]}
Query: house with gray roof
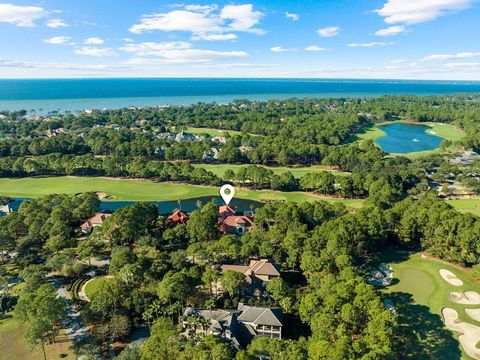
{"points": [[238, 327]]}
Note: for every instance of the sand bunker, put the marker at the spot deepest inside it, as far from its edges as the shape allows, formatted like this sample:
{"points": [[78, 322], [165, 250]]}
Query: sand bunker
{"points": [[465, 298], [470, 334], [450, 277], [473, 313]]}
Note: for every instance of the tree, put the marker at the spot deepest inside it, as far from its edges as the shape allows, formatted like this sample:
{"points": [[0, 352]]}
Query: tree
{"points": [[233, 282], [41, 310], [164, 342], [203, 223]]}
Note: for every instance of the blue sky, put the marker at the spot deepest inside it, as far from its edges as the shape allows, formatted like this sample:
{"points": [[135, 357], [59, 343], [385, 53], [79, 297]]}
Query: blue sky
{"points": [[395, 39]]}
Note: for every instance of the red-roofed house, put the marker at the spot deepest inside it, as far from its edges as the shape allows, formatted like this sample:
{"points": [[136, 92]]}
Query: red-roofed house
{"points": [[235, 224], [224, 212], [94, 221], [178, 217]]}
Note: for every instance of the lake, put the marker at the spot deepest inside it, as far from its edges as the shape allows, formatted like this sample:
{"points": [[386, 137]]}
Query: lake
{"points": [[167, 207], [403, 138], [44, 95]]}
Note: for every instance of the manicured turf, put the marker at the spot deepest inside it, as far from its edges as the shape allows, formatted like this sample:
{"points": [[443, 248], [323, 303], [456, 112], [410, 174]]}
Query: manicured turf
{"points": [[466, 205], [14, 347], [419, 294], [211, 132], [140, 190], [219, 169], [92, 285]]}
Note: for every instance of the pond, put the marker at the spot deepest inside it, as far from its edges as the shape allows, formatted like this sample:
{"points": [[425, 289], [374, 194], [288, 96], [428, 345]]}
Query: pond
{"points": [[167, 207], [403, 138]]}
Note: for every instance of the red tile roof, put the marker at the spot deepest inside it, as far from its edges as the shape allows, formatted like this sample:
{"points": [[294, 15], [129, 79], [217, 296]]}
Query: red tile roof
{"points": [[178, 217], [95, 220], [231, 222]]}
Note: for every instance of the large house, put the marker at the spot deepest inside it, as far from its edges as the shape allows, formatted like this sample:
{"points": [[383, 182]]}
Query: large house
{"points": [[94, 221], [184, 136], [231, 223], [238, 327], [262, 270], [177, 218]]}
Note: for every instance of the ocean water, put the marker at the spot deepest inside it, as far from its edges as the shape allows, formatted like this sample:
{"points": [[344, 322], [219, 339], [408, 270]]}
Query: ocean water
{"points": [[405, 138], [45, 95]]}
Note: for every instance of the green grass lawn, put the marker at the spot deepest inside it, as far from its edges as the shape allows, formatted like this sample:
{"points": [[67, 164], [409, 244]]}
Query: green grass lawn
{"points": [[419, 294], [141, 190], [219, 169], [466, 205], [212, 132], [12, 334], [92, 285]]}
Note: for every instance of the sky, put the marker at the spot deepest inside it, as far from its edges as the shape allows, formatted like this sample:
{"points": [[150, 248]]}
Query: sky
{"points": [[383, 39]]}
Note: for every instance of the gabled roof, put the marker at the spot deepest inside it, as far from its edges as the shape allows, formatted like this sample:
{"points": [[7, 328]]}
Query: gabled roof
{"points": [[95, 220], [233, 221], [225, 209], [178, 217], [260, 315], [263, 267]]}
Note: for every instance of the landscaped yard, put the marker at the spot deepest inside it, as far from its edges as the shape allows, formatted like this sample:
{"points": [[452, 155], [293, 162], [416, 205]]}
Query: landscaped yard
{"points": [[14, 347], [466, 205], [419, 294], [141, 190], [211, 132], [219, 169], [92, 285]]}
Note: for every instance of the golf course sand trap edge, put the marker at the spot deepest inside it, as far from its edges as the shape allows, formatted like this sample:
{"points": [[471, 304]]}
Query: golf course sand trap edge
{"points": [[450, 277], [474, 314], [465, 298], [470, 334]]}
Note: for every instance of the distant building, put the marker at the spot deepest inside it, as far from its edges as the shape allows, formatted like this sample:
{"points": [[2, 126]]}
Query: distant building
{"points": [[184, 136], [238, 327], [2, 117], [177, 218], [243, 149], [5, 209], [166, 136], [219, 139], [94, 221], [211, 154], [467, 158]]}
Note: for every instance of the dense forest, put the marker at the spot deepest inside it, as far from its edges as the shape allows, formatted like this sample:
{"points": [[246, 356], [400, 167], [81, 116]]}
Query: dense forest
{"points": [[156, 270]]}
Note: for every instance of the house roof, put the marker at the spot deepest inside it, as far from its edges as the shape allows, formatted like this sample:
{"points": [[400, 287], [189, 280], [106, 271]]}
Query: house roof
{"points": [[260, 315], [178, 217], [233, 221], [219, 318], [95, 220], [256, 267], [225, 209], [263, 267]]}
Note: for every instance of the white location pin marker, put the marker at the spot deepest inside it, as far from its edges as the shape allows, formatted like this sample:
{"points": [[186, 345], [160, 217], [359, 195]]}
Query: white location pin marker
{"points": [[227, 193]]}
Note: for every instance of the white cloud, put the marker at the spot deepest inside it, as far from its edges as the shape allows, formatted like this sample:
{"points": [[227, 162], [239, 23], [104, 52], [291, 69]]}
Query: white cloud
{"points": [[242, 17], [58, 40], [463, 65], [329, 31], [418, 11], [214, 37], [175, 52], [398, 61], [370, 44], [460, 55], [281, 49], [56, 66], [127, 40], [314, 48], [292, 16], [24, 16], [56, 23], [202, 21], [95, 51], [391, 30], [93, 41]]}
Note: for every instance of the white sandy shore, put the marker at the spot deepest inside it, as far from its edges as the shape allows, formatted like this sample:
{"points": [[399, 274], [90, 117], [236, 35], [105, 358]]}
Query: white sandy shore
{"points": [[450, 277], [470, 334]]}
